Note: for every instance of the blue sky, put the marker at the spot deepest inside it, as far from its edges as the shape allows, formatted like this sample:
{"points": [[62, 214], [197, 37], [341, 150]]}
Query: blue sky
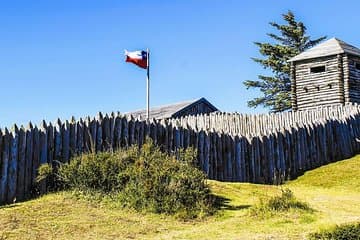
{"points": [[65, 58]]}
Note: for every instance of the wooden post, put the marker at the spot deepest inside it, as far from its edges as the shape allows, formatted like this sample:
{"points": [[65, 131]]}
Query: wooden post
{"points": [[28, 160], [13, 164], [20, 189], [99, 133], [4, 166], [58, 139], [65, 141], [117, 133], [43, 152], [36, 154], [73, 137]]}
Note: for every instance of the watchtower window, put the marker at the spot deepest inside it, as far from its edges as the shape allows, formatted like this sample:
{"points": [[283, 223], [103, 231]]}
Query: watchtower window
{"points": [[357, 65], [318, 69]]}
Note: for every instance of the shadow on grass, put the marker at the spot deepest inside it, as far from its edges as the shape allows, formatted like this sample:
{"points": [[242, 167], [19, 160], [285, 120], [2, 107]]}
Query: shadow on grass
{"points": [[222, 203], [6, 206]]}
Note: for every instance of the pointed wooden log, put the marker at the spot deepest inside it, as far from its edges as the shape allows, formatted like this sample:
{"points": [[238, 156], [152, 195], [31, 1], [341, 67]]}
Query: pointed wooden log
{"points": [[58, 141], [220, 166], [257, 160], [153, 132], [99, 133], [125, 132], [73, 137], [5, 155], [43, 153], [20, 188], [271, 158], [214, 156], [131, 126], [237, 158], [50, 142], [200, 147], [28, 160], [106, 133], [207, 153], [13, 165], [112, 130], [117, 132], [264, 174], [66, 141], [244, 157], [1, 163], [80, 136], [36, 154]]}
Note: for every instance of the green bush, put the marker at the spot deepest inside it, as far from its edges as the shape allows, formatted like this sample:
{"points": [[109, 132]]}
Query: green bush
{"points": [[285, 202], [144, 179], [340, 232]]}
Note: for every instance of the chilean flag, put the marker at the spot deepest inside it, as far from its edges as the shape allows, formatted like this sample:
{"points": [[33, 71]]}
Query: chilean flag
{"points": [[137, 57]]}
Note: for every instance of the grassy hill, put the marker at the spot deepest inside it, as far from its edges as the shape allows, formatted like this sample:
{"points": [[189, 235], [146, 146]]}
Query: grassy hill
{"points": [[333, 191]]}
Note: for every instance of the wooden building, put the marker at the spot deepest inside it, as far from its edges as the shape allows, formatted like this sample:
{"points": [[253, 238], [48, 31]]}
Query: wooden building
{"points": [[327, 74], [193, 107]]}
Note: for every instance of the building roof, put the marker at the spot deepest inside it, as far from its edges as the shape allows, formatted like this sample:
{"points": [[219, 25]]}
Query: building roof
{"points": [[171, 110], [330, 47]]}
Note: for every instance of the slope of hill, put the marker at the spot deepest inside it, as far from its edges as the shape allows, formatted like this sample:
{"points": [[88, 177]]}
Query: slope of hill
{"points": [[333, 191]]}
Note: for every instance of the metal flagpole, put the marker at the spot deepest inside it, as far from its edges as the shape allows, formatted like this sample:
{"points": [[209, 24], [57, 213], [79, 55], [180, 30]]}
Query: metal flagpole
{"points": [[148, 85]]}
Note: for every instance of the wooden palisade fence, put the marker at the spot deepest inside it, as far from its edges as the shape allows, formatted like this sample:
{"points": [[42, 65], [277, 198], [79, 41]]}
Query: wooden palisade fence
{"points": [[268, 148]]}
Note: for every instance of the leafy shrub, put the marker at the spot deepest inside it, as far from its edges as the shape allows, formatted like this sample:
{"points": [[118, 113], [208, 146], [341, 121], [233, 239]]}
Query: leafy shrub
{"points": [[286, 201], [144, 179], [340, 232], [282, 203]]}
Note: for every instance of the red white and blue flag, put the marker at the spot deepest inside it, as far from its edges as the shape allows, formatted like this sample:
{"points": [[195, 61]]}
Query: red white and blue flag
{"points": [[137, 57]]}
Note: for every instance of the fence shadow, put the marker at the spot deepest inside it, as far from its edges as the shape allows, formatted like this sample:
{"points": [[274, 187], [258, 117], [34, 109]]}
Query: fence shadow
{"points": [[222, 203]]}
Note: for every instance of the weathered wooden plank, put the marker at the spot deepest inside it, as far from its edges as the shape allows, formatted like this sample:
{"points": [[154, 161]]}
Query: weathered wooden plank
{"points": [[153, 132], [66, 141], [80, 136], [13, 164], [20, 188], [281, 156], [117, 132], [50, 142], [125, 132], [28, 160], [73, 137], [43, 153], [264, 173], [207, 153], [177, 140], [5, 155], [228, 157], [58, 141], [200, 147], [36, 154], [112, 130], [106, 133], [131, 126], [1, 162], [93, 126], [237, 146], [220, 158]]}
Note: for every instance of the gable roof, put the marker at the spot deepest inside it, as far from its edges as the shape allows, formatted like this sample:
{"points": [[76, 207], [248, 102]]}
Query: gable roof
{"points": [[330, 47], [171, 110]]}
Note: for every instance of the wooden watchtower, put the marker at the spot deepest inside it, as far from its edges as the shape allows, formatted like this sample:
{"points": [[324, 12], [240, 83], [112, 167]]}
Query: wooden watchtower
{"points": [[327, 74]]}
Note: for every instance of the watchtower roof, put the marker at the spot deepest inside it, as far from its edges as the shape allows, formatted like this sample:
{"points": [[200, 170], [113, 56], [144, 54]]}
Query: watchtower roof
{"points": [[330, 47]]}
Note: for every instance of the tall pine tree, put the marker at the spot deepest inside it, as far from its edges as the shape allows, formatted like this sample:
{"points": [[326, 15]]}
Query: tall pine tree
{"points": [[276, 89]]}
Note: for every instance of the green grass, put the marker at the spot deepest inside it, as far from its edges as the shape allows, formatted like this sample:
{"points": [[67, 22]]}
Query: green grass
{"points": [[332, 192]]}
